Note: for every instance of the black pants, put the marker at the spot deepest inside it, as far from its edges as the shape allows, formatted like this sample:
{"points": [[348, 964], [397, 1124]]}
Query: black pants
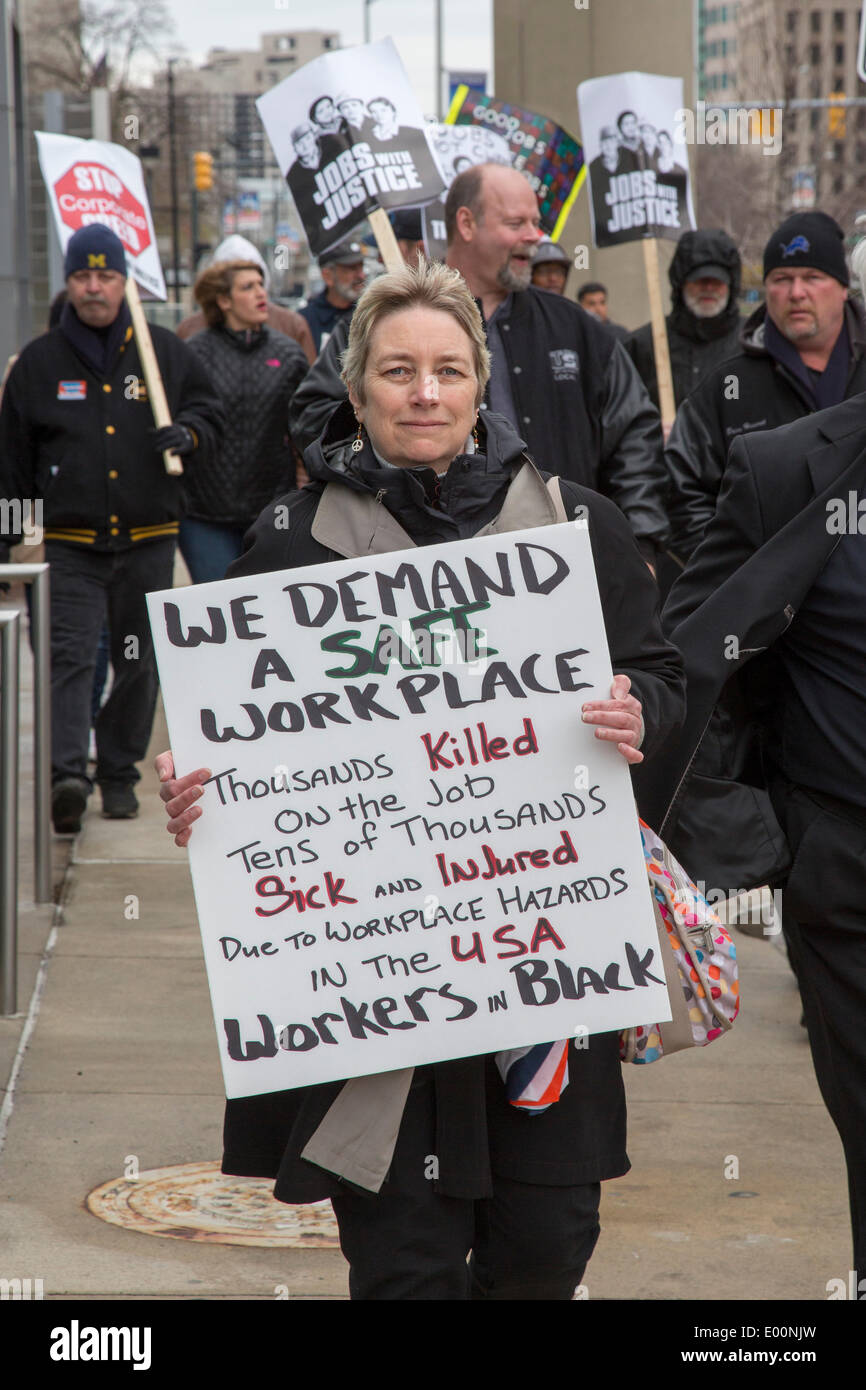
{"points": [[85, 587], [528, 1242], [824, 920]]}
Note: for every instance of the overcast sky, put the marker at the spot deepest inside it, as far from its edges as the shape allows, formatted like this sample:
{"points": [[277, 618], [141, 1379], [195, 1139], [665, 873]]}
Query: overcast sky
{"points": [[204, 24]]}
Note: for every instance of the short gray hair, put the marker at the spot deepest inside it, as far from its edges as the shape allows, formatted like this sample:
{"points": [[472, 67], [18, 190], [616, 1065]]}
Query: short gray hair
{"points": [[425, 286]]}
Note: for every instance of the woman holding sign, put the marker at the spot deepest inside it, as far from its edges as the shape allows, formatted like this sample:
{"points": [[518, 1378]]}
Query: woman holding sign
{"points": [[424, 1167]]}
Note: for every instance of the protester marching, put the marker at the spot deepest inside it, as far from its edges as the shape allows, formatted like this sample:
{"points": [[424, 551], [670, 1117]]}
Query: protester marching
{"points": [[484, 657]]}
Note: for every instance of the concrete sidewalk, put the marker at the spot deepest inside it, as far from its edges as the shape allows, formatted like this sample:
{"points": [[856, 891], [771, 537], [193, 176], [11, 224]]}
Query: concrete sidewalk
{"points": [[737, 1189]]}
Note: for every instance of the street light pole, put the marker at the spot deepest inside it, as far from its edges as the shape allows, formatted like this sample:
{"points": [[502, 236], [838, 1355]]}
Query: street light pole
{"points": [[439, 60], [175, 211]]}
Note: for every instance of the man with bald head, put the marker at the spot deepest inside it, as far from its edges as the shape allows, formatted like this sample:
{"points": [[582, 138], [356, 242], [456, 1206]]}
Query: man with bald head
{"points": [[567, 386]]}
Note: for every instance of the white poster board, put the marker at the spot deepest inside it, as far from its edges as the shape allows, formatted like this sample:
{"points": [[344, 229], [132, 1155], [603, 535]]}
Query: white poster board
{"points": [[348, 135], [637, 160], [92, 181], [411, 847]]}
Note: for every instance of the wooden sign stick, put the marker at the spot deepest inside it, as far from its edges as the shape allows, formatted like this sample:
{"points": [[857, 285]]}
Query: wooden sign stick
{"points": [[386, 240], [660, 334], [150, 367]]}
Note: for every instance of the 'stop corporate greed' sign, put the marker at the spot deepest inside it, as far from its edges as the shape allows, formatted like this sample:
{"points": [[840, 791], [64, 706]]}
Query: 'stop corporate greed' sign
{"points": [[90, 181], [411, 847], [349, 137]]}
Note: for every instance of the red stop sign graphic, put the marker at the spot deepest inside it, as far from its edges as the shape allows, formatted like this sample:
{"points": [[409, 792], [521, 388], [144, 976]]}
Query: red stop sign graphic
{"points": [[89, 192]]}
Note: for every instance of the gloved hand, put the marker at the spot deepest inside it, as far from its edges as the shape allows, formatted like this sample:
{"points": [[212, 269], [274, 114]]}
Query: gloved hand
{"points": [[177, 438]]}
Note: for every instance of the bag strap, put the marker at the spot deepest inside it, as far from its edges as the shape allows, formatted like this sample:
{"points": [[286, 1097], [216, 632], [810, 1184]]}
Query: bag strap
{"points": [[677, 1034]]}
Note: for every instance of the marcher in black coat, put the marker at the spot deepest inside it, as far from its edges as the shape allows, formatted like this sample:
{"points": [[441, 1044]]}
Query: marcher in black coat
{"points": [[538, 1183], [697, 341], [255, 372], [77, 435], [770, 614]]}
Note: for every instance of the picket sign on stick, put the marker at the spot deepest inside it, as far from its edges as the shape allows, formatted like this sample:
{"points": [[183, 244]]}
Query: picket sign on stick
{"points": [[152, 375], [386, 240], [659, 331]]}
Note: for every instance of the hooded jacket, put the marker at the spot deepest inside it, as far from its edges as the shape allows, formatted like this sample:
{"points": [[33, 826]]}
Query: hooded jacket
{"points": [[581, 406], [582, 1138], [255, 374], [750, 391], [696, 345]]}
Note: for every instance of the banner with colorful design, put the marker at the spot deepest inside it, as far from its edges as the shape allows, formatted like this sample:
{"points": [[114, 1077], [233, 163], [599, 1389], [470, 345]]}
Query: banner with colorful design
{"points": [[551, 158]]}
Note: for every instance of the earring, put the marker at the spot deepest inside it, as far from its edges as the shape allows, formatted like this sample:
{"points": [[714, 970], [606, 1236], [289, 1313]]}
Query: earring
{"points": [[475, 435], [357, 442]]}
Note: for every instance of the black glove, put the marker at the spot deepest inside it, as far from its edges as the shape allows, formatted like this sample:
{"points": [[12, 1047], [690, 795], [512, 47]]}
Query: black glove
{"points": [[176, 438]]}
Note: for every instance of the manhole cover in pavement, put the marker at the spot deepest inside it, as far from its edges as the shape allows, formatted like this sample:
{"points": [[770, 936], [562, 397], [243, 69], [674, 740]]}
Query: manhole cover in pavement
{"points": [[195, 1201]]}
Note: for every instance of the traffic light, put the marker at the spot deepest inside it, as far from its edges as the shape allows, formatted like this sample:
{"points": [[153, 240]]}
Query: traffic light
{"points": [[836, 117], [203, 170]]}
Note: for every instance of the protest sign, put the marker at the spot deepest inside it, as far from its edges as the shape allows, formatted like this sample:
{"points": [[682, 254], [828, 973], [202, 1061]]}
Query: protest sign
{"points": [[457, 147], [551, 158], [92, 181], [411, 847], [348, 135], [638, 163]]}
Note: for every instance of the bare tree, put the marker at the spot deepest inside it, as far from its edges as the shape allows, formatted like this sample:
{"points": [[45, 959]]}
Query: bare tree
{"points": [[96, 46]]}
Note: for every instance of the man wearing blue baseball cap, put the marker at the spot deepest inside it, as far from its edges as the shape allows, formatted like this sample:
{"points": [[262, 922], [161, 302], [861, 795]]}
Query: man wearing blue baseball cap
{"points": [[77, 434]]}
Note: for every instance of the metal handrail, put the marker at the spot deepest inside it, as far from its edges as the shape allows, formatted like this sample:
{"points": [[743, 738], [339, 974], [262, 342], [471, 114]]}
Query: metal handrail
{"points": [[9, 640], [37, 576]]}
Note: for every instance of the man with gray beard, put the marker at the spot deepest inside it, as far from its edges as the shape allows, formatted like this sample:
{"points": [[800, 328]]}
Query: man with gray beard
{"points": [[704, 324], [562, 380]]}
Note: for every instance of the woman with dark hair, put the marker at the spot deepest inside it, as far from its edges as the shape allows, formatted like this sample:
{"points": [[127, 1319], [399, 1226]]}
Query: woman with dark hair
{"points": [[409, 460], [256, 372]]}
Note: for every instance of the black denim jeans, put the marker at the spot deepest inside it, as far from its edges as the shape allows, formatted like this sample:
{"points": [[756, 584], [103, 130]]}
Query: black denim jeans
{"points": [[86, 587]]}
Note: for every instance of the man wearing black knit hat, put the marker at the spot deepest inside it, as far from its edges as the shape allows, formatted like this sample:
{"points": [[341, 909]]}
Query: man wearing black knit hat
{"points": [[802, 350], [770, 615], [77, 434]]}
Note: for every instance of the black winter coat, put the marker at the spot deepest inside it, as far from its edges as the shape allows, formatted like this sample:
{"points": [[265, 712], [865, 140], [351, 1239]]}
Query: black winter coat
{"points": [[696, 345], [581, 1138], [583, 410], [82, 440], [750, 391], [255, 375], [738, 595]]}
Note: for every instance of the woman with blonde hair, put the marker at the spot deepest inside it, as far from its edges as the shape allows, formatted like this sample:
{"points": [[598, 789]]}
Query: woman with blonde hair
{"points": [[411, 459]]}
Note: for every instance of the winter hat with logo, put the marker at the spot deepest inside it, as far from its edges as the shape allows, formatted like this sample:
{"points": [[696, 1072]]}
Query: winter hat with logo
{"points": [[811, 239], [94, 248]]}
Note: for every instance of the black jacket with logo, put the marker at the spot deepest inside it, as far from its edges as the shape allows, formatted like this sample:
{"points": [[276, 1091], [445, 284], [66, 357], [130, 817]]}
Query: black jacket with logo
{"points": [[581, 406], [750, 391], [81, 441], [582, 1137], [255, 375]]}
